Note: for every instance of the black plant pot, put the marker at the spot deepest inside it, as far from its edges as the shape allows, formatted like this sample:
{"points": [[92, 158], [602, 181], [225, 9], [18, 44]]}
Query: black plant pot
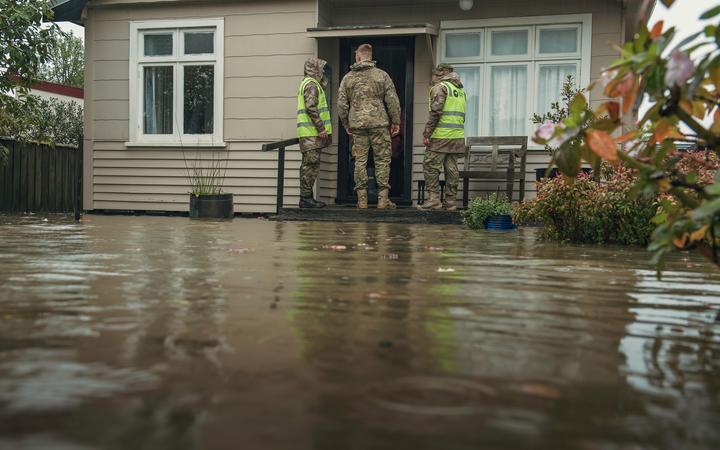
{"points": [[211, 206]]}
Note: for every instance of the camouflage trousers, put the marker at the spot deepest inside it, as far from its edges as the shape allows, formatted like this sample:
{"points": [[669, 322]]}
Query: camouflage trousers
{"points": [[379, 140], [435, 163], [309, 169]]}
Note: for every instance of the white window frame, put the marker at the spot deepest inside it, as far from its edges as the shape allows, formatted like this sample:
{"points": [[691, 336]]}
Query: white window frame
{"points": [[577, 54], [137, 62], [519, 57], [534, 60], [469, 59]]}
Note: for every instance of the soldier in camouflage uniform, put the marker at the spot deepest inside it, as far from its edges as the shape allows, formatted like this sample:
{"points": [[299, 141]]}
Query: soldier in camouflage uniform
{"points": [[311, 146], [367, 96], [444, 139]]}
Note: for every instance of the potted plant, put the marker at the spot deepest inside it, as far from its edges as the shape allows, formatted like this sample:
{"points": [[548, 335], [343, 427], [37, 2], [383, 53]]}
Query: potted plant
{"points": [[206, 176], [491, 212]]}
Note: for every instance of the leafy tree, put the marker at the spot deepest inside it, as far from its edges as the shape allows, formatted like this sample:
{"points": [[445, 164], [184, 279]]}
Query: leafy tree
{"points": [[24, 45], [66, 62], [683, 84]]}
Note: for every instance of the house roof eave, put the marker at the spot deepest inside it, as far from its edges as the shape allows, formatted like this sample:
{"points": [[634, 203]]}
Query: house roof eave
{"points": [[68, 10]]}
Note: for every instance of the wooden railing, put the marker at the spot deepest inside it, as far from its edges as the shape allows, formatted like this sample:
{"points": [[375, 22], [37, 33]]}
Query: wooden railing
{"points": [[280, 147]]}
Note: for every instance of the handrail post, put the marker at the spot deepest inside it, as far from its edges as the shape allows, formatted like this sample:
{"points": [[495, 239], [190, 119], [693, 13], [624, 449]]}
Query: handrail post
{"points": [[280, 178], [280, 146]]}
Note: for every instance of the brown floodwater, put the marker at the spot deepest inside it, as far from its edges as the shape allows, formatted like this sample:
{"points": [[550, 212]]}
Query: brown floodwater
{"points": [[166, 333]]}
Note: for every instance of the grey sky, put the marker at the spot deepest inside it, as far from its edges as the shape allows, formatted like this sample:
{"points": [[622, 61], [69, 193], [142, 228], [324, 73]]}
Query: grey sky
{"points": [[684, 15], [77, 30]]}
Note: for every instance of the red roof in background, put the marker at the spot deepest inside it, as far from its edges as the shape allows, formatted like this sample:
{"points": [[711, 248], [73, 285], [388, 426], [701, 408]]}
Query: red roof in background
{"points": [[60, 89]]}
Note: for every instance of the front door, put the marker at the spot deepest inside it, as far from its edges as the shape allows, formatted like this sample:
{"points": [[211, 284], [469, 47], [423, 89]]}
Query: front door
{"points": [[394, 55]]}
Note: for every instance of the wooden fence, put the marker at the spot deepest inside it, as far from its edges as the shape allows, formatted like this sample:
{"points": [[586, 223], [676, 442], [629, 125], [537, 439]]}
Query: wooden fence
{"points": [[40, 178]]}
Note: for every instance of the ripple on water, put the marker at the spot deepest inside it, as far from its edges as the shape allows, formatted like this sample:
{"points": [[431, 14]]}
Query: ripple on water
{"points": [[41, 380]]}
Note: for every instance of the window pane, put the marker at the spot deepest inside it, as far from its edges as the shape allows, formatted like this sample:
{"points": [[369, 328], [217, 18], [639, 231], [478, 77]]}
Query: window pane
{"points": [[158, 44], [508, 101], [199, 91], [513, 42], [198, 43], [462, 45], [558, 40], [550, 81], [158, 101], [470, 77]]}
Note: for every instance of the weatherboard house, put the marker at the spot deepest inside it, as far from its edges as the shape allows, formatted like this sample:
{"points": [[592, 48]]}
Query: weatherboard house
{"points": [[167, 76]]}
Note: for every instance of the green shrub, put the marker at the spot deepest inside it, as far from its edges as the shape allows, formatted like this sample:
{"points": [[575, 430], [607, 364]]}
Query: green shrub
{"points": [[480, 208], [591, 211], [46, 120], [609, 209]]}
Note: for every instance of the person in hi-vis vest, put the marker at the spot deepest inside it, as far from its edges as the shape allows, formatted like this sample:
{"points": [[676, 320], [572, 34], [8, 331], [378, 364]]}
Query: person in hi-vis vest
{"points": [[444, 137], [314, 127]]}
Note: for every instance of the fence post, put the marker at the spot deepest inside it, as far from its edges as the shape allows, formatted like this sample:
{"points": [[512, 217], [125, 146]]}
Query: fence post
{"points": [[281, 178], [77, 181]]}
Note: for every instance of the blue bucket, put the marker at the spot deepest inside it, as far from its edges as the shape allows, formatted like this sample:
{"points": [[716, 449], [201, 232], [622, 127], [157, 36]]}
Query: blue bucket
{"points": [[499, 222]]}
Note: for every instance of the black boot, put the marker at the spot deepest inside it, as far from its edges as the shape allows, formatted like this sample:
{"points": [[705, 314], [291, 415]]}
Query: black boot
{"points": [[309, 202]]}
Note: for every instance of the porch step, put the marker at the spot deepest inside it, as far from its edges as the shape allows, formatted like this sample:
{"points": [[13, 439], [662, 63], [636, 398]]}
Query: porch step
{"points": [[335, 213]]}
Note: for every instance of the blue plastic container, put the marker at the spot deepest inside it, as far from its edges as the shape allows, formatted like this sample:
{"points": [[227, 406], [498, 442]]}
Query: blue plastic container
{"points": [[499, 222]]}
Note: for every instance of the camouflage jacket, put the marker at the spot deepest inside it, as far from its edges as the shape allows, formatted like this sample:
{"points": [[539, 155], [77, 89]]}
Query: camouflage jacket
{"points": [[367, 96], [438, 94], [314, 67]]}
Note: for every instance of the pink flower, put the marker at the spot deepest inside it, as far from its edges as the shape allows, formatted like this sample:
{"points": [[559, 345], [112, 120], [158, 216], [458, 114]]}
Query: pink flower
{"points": [[679, 69], [546, 130]]}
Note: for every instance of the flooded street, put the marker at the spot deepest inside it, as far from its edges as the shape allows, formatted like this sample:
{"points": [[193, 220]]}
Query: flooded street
{"points": [[165, 333]]}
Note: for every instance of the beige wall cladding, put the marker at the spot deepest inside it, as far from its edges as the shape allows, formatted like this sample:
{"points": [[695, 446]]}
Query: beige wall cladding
{"points": [[265, 47], [157, 179]]}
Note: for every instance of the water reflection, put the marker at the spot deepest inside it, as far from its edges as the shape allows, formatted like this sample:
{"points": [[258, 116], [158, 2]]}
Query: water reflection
{"points": [[147, 333]]}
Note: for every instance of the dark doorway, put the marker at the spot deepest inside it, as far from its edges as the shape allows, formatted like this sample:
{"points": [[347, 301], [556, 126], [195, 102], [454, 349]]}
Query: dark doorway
{"points": [[396, 56]]}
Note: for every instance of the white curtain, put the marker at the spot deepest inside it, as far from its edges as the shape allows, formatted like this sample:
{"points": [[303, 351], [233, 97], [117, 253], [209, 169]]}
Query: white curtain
{"points": [[508, 100], [470, 77], [550, 81]]}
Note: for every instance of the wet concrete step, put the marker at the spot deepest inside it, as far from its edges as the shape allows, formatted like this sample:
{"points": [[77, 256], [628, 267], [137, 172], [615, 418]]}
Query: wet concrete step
{"points": [[351, 214]]}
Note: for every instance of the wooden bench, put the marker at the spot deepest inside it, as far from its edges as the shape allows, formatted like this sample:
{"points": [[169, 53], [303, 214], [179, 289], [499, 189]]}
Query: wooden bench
{"points": [[494, 159]]}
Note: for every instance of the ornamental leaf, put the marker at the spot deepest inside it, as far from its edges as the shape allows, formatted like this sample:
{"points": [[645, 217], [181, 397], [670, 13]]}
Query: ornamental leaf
{"points": [[602, 144]]}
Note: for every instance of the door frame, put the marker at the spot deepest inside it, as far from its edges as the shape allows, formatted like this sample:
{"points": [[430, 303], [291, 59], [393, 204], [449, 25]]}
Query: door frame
{"points": [[344, 176]]}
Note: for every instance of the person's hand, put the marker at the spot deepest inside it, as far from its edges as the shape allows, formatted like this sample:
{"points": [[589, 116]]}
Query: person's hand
{"points": [[349, 131], [394, 130], [323, 135], [426, 141]]}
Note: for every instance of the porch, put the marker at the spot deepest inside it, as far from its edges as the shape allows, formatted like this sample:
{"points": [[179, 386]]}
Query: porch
{"points": [[349, 213]]}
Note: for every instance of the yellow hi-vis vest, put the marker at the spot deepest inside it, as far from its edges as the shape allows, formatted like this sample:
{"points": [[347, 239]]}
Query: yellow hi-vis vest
{"points": [[452, 121], [305, 126]]}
